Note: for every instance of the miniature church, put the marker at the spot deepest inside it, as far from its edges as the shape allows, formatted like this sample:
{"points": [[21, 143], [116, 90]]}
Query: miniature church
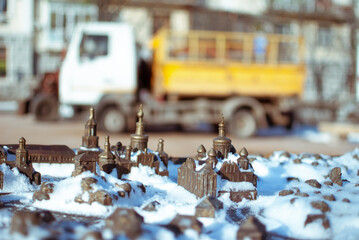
{"points": [[219, 171], [117, 157]]}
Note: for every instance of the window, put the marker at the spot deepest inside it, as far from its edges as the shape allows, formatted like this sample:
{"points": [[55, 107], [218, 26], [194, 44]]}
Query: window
{"points": [[3, 6], [324, 37], [2, 61], [93, 46]]}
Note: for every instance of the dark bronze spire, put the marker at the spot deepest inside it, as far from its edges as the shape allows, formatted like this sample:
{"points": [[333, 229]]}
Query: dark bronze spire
{"points": [[139, 140], [90, 139], [222, 144]]}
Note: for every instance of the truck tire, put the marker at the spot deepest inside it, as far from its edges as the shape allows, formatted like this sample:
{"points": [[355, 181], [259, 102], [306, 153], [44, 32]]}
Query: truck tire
{"points": [[45, 108], [112, 120], [243, 124]]}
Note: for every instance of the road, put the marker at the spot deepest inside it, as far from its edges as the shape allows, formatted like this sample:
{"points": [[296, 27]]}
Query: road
{"points": [[178, 144]]}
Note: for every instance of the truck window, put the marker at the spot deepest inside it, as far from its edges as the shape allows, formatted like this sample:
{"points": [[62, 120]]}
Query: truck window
{"points": [[93, 46], [2, 61]]}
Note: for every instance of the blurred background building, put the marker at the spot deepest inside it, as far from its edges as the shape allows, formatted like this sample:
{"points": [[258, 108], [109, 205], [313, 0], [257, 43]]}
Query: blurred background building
{"points": [[34, 34]]}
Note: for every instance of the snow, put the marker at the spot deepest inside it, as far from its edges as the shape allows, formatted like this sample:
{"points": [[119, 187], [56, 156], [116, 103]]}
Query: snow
{"points": [[280, 214]]}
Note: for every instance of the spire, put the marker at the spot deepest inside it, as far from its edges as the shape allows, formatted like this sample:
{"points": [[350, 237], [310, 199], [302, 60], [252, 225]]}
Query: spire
{"points": [[139, 124], [201, 152], [139, 140], [90, 138], [160, 146], [221, 129], [107, 144], [128, 152], [91, 113], [22, 143], [243, 152], [106, 157], [212, 157]]}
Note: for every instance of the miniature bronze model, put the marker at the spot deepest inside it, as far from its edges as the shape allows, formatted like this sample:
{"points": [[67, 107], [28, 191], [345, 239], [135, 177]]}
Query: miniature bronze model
{"points": [[38, 153], [222, 144], [252, 228], [202, 180], [24, 164], [1, 180], [90, 139], [208, 206], [107, 159], [139, 140], [180, 223]]}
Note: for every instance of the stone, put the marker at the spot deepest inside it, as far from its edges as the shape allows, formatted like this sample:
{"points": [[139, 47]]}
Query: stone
{"points": [[251, 228], [87, 182], [302, 194], [102, 197], [22, 221], [43, 193], [330, 197], [313, 183], [314, 217], [321, 205], [297, 161], [126, 187], [180, 223], [285, 192], [289, 179], [346, 200], [328, 183], [285, 154], [125, 221], [92, 236], [293, 200], [208, 206], [315, 163], [152, 206], [336, 176]]}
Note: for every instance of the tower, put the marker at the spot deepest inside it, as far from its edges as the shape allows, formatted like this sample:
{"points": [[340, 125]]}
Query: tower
{"points": [[90, 139], [139, 140], [106, 158], [21, 154], [222, 144]]}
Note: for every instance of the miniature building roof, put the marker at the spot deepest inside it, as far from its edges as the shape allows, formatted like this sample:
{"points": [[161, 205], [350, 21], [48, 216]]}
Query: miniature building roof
{"points": [[184, 222], [210, 201], [87, 156], [45, 150], [107, 154], [252, 224]]}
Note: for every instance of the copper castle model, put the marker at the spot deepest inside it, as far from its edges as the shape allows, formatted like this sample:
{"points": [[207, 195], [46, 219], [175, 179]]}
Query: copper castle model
{"points": [[220, 171], [123, 159]]}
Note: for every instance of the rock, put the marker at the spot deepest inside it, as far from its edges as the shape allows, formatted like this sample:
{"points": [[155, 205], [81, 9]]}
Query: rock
{"points": [[313, 217], [357, 185], [346, 200], [181, 223], [92, 236], [121, 194], [302, 194], [297, 190], [252, 228], [289, 179], [285, 192], [22, 221], [126, 187], [152, 206], [315, 163], [313, 183], [321, 205], [43, 193], [102, 197], [297, 161], [328, 183], [330, 197], [125, 221], [285, 154], [142, 187], [336, 176], [293, 200], [317, 192], [87, 182]]}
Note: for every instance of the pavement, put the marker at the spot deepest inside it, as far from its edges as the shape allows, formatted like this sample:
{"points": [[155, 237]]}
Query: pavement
{"points": [[177, 143]]}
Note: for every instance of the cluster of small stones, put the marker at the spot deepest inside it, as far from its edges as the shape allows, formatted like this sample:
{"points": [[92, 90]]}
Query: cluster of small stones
{"points": [[333, 177], [204, 181], [127, 222]]}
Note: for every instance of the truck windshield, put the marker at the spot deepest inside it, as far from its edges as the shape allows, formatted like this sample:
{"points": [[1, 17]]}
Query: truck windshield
{"points": [[93, 46]]}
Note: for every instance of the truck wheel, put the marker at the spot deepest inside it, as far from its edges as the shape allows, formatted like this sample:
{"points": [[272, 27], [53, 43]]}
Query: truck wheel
{"points": [[113, 120], [243, 124], [45, 108]]}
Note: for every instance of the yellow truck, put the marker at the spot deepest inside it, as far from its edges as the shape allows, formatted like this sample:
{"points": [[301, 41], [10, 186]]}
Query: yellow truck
{"points": [[251, 78]]}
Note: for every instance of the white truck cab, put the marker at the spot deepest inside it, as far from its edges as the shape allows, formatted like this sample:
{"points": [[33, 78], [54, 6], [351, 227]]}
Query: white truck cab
{"points": [[101, 60]]}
